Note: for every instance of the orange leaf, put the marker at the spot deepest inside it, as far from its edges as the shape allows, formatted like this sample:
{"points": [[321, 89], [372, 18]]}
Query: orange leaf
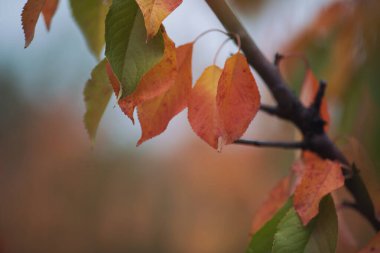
{"points": [[203, 113], [319, 178], [48, 11], [238, 98], [29, 18], [373, 246], [155, 114], [309, 91], [155, 11], [276, 199], [158, 80]]}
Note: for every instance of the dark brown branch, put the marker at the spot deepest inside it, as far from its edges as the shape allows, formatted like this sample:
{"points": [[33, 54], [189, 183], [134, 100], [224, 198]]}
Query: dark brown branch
{"points": [[290, 108], [268, 144]]}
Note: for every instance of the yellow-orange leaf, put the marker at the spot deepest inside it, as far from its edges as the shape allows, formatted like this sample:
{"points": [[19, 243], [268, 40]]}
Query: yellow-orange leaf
{"points": [[155, 114], [238, 98], [309, 91], [153, 83], [373, 246], [319, 178], [29, 16], [31, 13], [203, 113], [155, 11], [48, 11], [276, 199]]}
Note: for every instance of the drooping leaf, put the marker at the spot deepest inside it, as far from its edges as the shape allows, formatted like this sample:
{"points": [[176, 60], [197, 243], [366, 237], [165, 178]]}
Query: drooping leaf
{"points": [[90, 16], [238, 98], [373, 246], [127, 51], [203, 112], [155, 115], [155, 82], [319, 236], [48, 11], [29, 18], [275, 200], [97, 94], [319, 178], [155, 11], [309, 91], [262, 240]]}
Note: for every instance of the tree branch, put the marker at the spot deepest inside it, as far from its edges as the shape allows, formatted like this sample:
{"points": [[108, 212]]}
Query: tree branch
{"points": [[290, 108], [267, 144]]}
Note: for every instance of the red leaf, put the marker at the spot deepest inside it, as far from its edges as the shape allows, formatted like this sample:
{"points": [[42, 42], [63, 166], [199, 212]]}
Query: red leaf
{"points": [[48, 11], [155, 114], [319, 178], [31, 13], [29, 18], [203, 112], [275, 200], [238, 98]]}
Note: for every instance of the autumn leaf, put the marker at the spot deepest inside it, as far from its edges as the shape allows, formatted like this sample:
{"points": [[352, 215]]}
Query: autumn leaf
{"points": [[156, 81], [373, 246], [308, 93], [238, 98], [31, 13], [319, 178], [48, 11], [202, 112], [275, 200], [90, 16], [155, 11], [155, 115], [127, 51], [97, 94]]}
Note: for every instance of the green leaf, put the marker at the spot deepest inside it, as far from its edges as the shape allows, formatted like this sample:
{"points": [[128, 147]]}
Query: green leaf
{"points": [[262, 240], [90, 16], [127, 50], [97, 94], [319, 236]]}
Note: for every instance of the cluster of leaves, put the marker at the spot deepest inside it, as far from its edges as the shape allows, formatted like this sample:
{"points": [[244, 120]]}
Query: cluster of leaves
{"points": [[146, 71]]}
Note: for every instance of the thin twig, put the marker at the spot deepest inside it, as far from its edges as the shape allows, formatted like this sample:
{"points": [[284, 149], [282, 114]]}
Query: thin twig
{"points": [[268, 144]]}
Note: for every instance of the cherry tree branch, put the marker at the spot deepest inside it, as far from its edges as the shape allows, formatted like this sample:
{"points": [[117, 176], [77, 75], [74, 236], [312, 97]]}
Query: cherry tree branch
{"points": [[291, 109], [274, 144]]}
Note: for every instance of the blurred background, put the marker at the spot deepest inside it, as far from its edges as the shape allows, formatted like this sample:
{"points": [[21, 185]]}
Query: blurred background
{"points": [[59, 193]]}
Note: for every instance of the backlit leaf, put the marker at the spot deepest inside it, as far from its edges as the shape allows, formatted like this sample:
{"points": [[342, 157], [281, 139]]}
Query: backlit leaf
{"points": [[373, 246], [319, 178], [319, 236], [155, 115], [203, 112], [275, 200], [127, 51], [238, 98], [155, 11], [90, 16], [48, 11], [97, 94]]}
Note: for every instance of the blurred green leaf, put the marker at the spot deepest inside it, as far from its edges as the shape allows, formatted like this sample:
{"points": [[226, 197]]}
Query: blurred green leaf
{"points": [[90, 16], [97, 94], [127, 50]]}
